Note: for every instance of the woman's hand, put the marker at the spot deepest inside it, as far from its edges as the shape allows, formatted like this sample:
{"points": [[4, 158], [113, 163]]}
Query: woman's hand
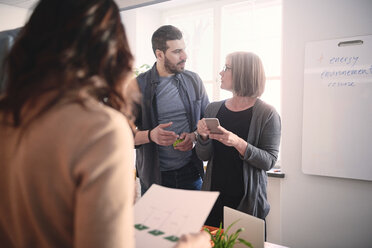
{"points": [[194, 240], [202, 129], [230, 139], [227, 138]]}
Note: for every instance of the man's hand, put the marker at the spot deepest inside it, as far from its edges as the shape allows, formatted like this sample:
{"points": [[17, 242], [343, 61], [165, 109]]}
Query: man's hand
{"points": [[163, 137], [187, 143]]}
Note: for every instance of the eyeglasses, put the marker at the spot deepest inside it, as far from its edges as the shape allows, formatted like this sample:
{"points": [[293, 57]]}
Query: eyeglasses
{"points": [[226, 68]]}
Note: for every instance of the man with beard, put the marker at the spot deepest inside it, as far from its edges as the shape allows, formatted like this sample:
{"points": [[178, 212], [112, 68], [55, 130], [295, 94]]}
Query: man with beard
{"points": [[173, 101]]}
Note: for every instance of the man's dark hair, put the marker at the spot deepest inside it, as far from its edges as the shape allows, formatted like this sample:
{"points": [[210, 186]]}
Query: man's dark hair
{"points": [[162, 35]]}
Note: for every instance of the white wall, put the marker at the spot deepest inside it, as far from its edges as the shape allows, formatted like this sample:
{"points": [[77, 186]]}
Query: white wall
{"points": [[129, 20], [318, 211], [12, 17], [273, 223], [140, 24]]}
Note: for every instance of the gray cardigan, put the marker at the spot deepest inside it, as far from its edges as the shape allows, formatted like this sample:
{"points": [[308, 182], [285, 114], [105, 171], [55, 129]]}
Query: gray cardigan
{"points": [[260, 156]]}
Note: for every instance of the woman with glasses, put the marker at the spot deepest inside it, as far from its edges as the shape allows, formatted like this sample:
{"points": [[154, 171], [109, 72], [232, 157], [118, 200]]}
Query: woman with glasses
{"points": [[249, 144]]}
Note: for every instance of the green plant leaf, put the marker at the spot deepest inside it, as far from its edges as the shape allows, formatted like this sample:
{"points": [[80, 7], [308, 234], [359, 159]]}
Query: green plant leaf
{"points": [[242, 241], [234, 236], [222, 239], [144, 66], [141, 69], [228, 228]]}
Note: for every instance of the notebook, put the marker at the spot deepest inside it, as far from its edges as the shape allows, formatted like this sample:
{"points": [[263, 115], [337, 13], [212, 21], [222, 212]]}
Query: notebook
{"points": [[254, 227]]}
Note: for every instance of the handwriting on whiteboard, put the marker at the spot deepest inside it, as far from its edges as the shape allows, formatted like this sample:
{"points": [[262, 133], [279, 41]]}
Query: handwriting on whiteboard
{"points": [[346, 72], [342, 71], [341, 84]]}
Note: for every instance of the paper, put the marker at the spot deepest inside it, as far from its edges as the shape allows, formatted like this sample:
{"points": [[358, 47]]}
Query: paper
{"points": [[163, 214]]}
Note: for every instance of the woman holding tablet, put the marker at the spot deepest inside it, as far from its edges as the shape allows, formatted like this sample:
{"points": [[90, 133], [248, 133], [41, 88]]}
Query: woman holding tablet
{"points": [[248, 144]]}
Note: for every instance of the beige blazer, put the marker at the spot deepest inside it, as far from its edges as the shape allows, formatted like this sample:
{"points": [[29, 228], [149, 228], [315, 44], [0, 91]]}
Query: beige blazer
{"points": [[67, 181]]}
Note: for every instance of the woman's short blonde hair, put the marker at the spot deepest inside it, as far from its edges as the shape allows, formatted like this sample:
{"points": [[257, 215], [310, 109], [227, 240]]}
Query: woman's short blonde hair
{"points": [[248, 75]]}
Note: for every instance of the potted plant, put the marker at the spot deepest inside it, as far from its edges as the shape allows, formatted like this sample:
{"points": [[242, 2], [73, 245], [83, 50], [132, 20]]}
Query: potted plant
{"points": [[141, 69], [222, 239]]}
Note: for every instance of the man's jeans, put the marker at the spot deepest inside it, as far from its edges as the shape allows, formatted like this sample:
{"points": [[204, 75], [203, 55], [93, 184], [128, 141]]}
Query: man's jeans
{"points": [[186, 177]]}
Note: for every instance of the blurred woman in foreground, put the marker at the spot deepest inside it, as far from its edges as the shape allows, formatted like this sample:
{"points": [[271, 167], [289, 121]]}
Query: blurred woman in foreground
{"points": [[66, 144]]}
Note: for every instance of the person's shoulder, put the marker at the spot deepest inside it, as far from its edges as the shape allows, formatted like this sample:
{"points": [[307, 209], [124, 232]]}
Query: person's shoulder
{"points": [[144, 77], [213, 107], [104, 114], [147, 75], [92, 116], [190, 74], [192, 77], [216, 104], [144, 74], [264, 107]]}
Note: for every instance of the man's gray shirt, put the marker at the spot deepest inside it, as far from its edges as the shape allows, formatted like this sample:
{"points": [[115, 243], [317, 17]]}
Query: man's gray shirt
{"points": [[171, 109], [193, 96]]}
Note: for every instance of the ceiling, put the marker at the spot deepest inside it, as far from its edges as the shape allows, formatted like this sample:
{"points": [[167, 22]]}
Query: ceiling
{"points": [[123, 4], [25, 4]]}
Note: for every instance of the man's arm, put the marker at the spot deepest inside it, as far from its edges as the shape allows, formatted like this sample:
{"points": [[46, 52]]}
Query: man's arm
{"points": [[141, 137], [157, 135]]}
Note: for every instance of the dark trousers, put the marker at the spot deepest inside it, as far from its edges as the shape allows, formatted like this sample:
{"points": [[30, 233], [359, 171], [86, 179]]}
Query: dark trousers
{"points": [[186, 177]]}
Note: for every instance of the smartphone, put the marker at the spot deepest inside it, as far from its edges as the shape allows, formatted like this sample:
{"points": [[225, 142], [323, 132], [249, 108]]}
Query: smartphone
{"points": [[212, 124]]}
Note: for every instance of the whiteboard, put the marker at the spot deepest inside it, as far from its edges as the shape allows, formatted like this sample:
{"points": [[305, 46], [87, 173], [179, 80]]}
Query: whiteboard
{"points": [[337, 108]]}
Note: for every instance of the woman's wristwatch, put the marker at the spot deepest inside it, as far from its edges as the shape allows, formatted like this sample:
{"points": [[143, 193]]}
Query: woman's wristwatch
{"points": [[196, 137]]}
